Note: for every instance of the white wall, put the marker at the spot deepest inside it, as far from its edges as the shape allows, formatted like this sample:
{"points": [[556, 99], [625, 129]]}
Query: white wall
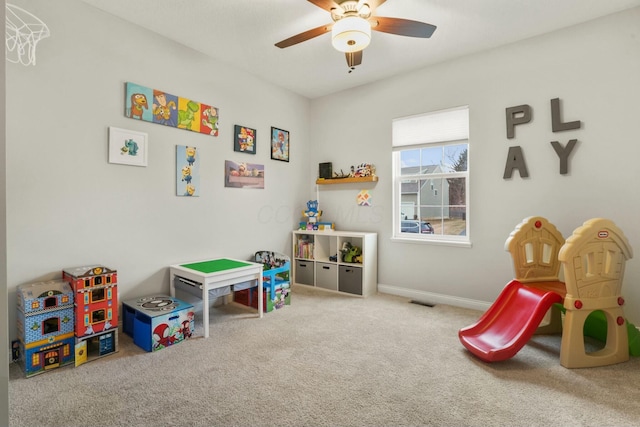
{"points": [[67, 206], [4, 302], [593, 68]]}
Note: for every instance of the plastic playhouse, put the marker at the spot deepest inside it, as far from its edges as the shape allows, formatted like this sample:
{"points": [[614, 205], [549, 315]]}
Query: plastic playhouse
{"points": [[590, 300]]}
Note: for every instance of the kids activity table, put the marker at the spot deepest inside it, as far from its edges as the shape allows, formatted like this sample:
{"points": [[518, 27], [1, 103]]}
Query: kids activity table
{"points": [[214, 274]]}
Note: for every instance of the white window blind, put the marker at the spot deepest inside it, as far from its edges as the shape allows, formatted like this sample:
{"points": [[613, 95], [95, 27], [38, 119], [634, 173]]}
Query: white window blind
{"points": [[440, 126]]}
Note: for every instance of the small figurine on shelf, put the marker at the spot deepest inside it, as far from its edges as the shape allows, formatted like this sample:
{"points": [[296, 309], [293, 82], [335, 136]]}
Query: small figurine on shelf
{"points": [[362, 170], [312, 214], [351, 253]]}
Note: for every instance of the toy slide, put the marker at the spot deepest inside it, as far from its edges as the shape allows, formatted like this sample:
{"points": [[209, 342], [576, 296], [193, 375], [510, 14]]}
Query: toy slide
{"points": [[509, 323]]}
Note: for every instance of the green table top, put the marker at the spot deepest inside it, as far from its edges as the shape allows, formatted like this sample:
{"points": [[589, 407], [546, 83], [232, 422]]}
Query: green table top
{"points": [[215, 265]]}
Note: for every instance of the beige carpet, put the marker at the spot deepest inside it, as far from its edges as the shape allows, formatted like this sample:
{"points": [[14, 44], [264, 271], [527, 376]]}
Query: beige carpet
{"points": [[329, 360]]}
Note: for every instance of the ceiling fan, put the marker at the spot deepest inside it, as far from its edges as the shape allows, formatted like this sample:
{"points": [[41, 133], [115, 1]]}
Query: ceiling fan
{"points": [[353, 21]]}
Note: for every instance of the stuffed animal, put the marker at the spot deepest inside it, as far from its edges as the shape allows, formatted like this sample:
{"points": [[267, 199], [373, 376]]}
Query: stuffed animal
{"points": [[353, 254], [350, 252]]}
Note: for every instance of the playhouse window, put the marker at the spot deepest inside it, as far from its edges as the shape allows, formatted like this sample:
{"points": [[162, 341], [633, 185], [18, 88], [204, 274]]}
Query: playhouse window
{"points": [[98, 316], [50, 302], [431, 177], [50, 325], [97, 280], [97, 295]]}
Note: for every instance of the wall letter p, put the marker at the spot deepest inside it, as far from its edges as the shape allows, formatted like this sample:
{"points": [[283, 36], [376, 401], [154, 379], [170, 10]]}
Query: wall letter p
{"points": [[517, 116]]}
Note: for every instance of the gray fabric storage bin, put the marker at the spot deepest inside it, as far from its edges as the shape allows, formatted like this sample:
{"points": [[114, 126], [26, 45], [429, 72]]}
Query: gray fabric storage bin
{"points": [[304, 272], [350, 279], [327, 275]]}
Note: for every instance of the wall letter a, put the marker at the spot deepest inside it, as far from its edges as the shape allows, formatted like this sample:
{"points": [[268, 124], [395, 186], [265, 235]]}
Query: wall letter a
{"points": [[515, 160]]}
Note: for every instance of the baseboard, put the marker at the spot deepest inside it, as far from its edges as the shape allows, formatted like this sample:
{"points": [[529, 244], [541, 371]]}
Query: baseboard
{"points": [[433, 298]]}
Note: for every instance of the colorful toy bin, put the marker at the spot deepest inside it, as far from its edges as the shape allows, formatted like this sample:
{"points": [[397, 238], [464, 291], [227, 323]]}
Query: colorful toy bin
{"points": [[96, 298], [158, 321], [45, 326]]}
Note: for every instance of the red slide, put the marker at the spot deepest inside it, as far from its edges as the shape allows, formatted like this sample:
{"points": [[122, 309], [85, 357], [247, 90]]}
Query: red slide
{"points": [[509, 323]]}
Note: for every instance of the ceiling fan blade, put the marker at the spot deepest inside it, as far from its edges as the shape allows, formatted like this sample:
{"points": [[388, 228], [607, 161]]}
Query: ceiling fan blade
{"points": [[402, 27], [327, 5], [354, 58], [307, 35]]}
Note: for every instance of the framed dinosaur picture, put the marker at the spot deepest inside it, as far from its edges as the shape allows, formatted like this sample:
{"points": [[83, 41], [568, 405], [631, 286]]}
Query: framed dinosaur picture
{"points": [[127, 147], [158, 106]]}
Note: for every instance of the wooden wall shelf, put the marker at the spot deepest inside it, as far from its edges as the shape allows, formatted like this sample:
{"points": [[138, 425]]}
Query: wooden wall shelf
{"points": [[324, 181]]}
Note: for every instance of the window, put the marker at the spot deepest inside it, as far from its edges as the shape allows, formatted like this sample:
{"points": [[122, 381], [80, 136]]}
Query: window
{"points": [[97, 295], [431, 176], [97, 316], [50, 325]]}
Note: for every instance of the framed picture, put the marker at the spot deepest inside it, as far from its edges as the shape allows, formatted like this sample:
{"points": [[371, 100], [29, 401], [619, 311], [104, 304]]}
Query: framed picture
{"points": [[244, 139], [279, 144], [127, 147]]}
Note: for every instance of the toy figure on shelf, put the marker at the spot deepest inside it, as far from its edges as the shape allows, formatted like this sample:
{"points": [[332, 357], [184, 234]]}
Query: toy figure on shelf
{"points": [[351, 253], [312, 214], [362, 170]]}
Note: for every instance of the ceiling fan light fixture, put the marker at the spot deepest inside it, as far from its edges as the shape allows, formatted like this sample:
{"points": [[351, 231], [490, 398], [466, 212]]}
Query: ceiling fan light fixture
{"points": [[351, 34]]}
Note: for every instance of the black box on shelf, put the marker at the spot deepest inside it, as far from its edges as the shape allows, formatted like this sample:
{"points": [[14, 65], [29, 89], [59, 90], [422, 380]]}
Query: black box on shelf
{"points": [[325, 170]]}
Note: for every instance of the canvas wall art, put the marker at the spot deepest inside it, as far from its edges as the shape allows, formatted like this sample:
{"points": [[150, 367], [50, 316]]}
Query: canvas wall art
{"points": [[157, 106], [243, 175], [363, 198], [187, 171]]}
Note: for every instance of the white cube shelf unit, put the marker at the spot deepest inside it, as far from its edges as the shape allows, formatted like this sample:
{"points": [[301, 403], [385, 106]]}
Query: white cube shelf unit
{"points": [[313, 267]]}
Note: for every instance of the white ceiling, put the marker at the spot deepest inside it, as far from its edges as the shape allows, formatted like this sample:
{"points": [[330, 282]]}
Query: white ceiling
{"points": [[243, 33]]}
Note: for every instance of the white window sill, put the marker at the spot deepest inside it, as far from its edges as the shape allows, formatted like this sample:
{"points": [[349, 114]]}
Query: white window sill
{"points": [[455, 243]]}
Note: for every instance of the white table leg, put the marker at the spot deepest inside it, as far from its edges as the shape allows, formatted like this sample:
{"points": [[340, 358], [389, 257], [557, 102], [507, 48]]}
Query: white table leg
{"points": [[205, 309], [260, 287]]}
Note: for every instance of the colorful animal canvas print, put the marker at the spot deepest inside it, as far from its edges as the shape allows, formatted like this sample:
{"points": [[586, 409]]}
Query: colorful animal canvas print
{"points": [[157, 106]]}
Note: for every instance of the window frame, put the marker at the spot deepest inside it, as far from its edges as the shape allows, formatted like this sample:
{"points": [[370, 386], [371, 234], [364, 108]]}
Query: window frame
{"points": [[398, 179]]}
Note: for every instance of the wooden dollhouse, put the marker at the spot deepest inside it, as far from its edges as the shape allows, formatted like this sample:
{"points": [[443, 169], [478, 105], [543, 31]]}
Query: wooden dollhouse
{"points": [[45, 326], [96, 310]]}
